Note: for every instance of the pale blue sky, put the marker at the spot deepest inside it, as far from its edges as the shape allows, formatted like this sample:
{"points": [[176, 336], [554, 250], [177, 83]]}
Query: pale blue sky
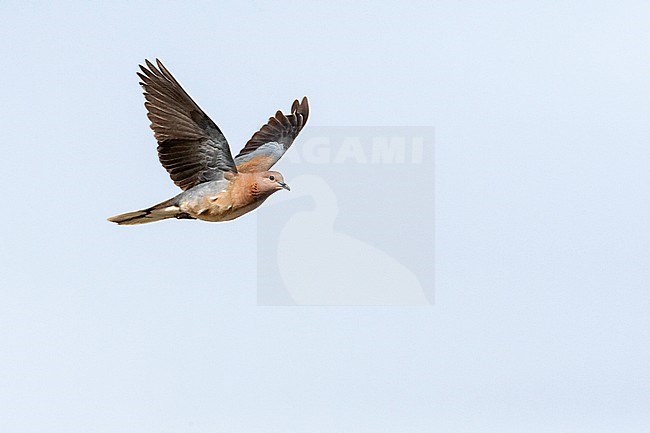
{"points": [[540, 322]]}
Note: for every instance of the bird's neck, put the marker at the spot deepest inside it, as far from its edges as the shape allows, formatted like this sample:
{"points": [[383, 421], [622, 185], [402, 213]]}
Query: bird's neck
{"points": [[246, 190], [256, 193]]}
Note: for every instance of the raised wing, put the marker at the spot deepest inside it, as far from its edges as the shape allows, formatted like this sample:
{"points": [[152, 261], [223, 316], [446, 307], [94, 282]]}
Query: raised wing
{"points": [[268, 144], [190, 146]]}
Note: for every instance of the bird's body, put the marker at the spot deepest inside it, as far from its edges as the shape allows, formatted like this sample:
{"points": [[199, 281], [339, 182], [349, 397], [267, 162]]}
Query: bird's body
{"points": [[224, 200], [216, 186]]}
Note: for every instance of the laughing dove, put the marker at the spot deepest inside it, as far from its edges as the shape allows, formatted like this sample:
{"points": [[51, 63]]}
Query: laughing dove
{"points": [[197, 157]]}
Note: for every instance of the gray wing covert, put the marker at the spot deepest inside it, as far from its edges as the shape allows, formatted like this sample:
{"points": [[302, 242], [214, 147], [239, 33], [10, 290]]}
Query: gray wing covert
{"points": [[273, 139], [190, 145]]}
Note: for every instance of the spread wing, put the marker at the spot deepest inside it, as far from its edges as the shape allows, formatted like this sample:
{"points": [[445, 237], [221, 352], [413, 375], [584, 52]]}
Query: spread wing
{"points": [[268, 144], [190, 146]]}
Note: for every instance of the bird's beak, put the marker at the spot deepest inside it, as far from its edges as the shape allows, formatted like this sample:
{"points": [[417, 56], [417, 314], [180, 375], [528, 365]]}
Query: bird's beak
{"points": [[284, 185]]}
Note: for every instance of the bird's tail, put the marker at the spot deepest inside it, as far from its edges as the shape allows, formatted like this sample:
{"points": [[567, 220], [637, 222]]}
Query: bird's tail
{"points": [[161, 211]]}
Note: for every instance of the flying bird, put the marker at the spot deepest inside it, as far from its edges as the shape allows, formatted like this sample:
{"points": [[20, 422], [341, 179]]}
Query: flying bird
{"points": [[216, 186]]}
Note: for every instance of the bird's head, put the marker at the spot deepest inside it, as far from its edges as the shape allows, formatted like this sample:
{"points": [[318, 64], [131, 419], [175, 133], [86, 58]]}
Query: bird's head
{"points": [[271, 181]]}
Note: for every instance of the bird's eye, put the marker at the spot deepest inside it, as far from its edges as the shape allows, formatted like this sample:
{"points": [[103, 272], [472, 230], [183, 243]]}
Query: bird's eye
{"points": [[271, 177]]}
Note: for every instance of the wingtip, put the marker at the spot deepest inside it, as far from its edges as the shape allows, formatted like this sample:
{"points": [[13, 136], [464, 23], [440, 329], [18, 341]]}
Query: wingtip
{"points": [[301, 106], [304, 109], [147, 70]]}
